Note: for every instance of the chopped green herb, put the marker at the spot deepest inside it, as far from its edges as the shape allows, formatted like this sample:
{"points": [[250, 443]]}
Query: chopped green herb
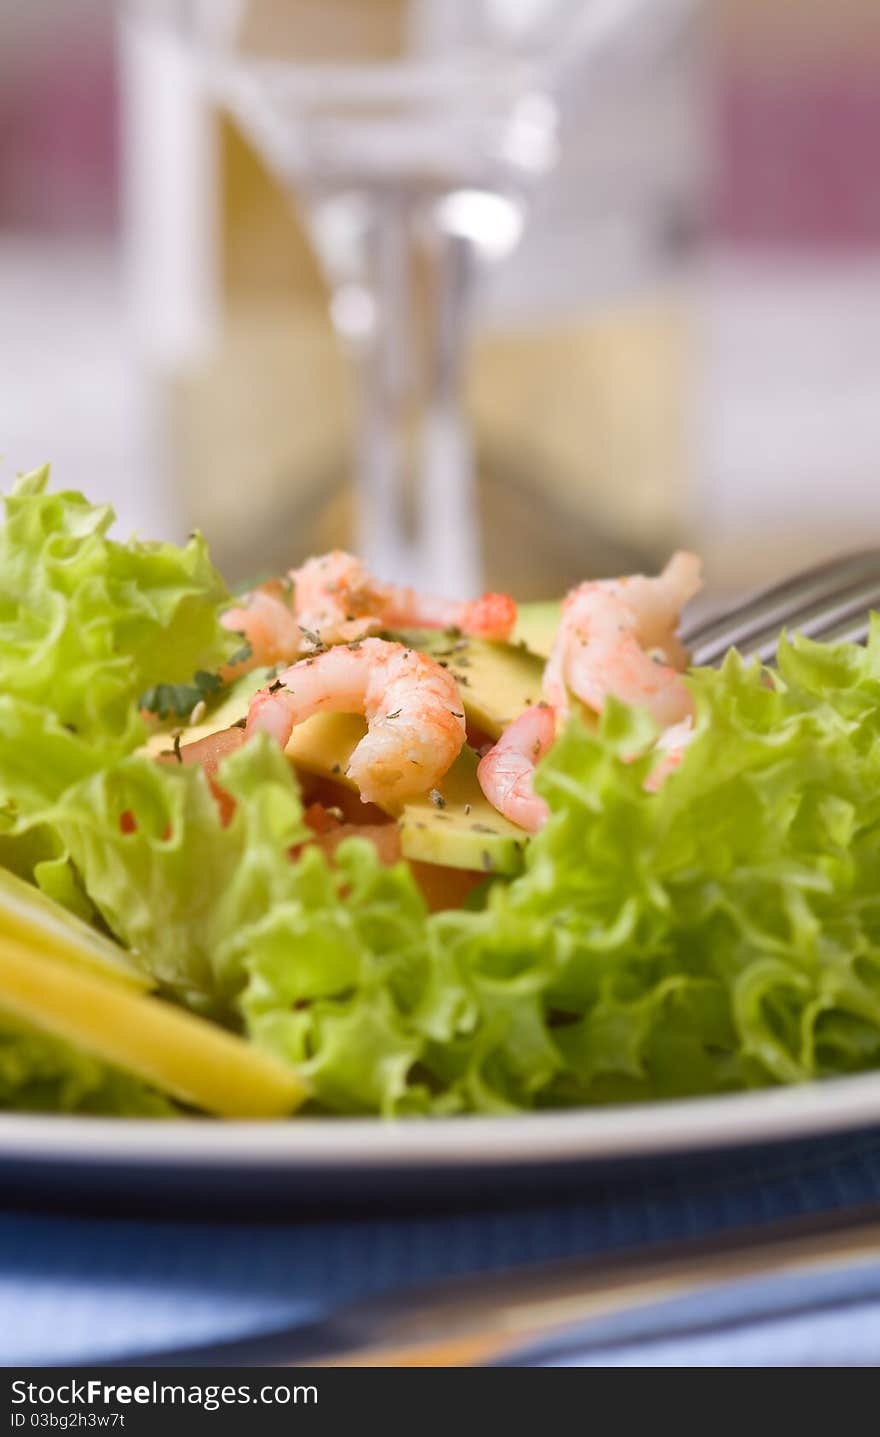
{"points": [[179, 700], [241, 655]]}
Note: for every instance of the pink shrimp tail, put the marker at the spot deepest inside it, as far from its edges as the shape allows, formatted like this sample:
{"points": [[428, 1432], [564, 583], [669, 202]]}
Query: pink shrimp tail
{"points": [[505, 773], [492, 616], [267, 624], [237, 621]]}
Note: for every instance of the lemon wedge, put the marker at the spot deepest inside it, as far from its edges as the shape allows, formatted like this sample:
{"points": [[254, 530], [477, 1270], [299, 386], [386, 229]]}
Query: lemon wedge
{"points": [[28, 915], [186, 1057]]}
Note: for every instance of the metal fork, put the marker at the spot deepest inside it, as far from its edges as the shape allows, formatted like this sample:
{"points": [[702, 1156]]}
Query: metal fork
{"points": [[832, 600]]}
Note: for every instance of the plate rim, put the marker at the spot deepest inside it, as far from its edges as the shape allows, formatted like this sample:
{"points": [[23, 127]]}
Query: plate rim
{"points": [[584, 1135]]}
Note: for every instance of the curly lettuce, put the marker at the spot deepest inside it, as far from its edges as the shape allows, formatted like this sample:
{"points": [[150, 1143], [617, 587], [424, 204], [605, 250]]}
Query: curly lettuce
{"points": [[724, 932], [89, 627], [172, 881], [88, 624]]}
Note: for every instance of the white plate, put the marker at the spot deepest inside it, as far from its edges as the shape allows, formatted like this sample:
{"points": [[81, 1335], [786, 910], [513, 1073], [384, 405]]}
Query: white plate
{"points": [[309, 1158]]}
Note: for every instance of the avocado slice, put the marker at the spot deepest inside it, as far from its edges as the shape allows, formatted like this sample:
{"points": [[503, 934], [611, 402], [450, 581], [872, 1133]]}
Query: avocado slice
{"points": [[322, 745], [496, 681], [455, 825], [536, 626], [191, 1059], [29, 916]]}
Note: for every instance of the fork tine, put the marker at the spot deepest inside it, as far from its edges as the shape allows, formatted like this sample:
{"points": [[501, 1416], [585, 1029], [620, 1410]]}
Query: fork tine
{"points": [[784, 599], [816, 617], [849, 624], [841, 589]]}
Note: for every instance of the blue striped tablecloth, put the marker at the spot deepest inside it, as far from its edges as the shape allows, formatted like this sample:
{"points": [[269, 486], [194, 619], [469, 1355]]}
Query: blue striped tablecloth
{"points": [[80, 1289]]}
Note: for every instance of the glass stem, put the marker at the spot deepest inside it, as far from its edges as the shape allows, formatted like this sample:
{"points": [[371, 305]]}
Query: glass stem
{"points": [[416, 512]]}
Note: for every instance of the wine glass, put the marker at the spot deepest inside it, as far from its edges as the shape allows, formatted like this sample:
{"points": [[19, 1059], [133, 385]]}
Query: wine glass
{"points": [[412, 134]]}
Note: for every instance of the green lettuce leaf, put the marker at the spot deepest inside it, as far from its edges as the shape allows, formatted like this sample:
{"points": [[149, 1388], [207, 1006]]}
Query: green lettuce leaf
{"points": [[88, 624], [723, 932], [40, 759], [168, 879], [337, 977]]}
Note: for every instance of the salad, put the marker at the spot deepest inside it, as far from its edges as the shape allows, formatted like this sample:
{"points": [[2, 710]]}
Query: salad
{"points": [[333, 846]]}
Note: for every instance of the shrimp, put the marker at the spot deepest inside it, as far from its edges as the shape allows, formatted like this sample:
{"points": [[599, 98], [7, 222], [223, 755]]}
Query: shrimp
{"points": [[415, 718], [505, 772], [327, 601], [339, 599], [618, 637], [269, 627], [333, 599]]}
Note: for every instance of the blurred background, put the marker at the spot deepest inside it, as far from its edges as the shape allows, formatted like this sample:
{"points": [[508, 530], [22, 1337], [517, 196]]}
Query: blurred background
{"points": [[682, 347]]}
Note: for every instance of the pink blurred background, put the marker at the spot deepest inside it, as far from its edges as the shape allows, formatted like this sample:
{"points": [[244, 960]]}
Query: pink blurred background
{"points": [[58, 110], [793, 109]]}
